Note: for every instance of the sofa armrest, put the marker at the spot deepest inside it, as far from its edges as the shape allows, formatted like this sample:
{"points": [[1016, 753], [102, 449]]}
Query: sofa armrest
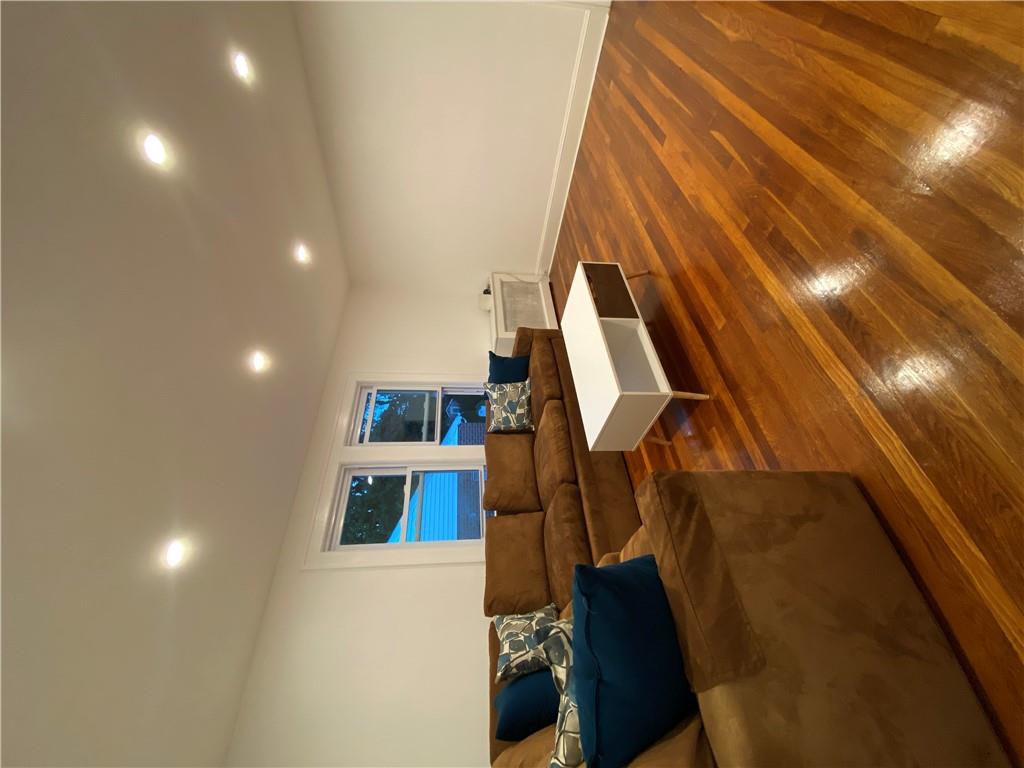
{"points": [[525, 336]]}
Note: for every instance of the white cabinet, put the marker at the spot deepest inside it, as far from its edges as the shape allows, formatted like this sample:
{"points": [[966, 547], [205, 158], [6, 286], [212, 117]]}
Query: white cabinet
{"points": [[620, 384], [518, 301]]}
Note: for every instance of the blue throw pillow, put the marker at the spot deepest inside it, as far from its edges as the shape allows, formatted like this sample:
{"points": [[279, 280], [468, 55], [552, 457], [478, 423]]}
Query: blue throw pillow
{"points": [[526, 705], [506, 370], [627, 669]]}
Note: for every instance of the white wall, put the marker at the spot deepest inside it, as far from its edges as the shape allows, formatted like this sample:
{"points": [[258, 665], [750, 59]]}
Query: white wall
{"points": [[450, 131], [129, 299], [373, 666]]}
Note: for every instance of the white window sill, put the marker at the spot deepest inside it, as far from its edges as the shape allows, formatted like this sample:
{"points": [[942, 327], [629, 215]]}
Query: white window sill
{"points": [[390, 555]]}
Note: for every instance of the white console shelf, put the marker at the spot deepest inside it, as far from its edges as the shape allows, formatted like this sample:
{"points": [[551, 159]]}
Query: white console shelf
{"points": [[620, 384]]}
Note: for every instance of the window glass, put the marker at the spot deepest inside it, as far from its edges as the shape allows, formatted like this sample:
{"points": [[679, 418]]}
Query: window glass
{"points": [[463, 416], [404, 416], [444, 505], [373, 510], [366, 396]]}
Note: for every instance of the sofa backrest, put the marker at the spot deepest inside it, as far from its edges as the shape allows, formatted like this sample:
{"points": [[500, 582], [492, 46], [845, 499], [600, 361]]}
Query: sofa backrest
{"points": [[552, 452], [609, 508], [565, 542], [608, 503]]}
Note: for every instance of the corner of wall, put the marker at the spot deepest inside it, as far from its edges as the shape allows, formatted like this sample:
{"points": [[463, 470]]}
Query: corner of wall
{"points": [[593, 22]]}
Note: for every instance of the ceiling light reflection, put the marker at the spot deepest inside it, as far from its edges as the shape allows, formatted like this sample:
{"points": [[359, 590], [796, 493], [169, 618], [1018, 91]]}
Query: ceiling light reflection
{"points": [[258, 361], [154, 149], [962, 134], [242, 67], [831, 284], [838, 279], [301, 254], [920, 373], [175, 552]]}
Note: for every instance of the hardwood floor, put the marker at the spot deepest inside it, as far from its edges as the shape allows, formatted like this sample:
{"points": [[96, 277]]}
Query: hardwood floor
{"points": [[829, 198]]}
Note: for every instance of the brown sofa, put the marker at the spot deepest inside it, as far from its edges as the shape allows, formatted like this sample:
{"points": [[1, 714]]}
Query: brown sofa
{"points": [[557, 503], [802, 633]]}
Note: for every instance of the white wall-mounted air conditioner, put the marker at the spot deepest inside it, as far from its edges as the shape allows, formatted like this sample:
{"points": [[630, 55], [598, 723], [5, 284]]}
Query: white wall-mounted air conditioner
{"points": [[519, 301]]}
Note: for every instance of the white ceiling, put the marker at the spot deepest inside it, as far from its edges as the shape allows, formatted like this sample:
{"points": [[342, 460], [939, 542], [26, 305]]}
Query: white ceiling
{"points": [[436, 139], [130, 297], [442, 126]]}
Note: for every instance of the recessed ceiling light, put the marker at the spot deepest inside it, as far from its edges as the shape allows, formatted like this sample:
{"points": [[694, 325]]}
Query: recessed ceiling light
{"points": [[301, 254], [155, 150], [174, 554], [259, 361], [242, 68]]}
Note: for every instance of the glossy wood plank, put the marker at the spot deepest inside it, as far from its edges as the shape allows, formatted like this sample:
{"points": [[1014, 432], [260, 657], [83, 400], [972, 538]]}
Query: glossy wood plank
{"points": [[829, 200]]}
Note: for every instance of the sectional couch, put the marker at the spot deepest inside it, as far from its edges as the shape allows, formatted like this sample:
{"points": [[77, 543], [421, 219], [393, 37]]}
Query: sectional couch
{"points": [[802, 633]]}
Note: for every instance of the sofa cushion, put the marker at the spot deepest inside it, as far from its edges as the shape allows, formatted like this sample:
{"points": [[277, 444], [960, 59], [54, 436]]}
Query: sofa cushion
{"points": [[628, 672], [552, 452], [532, 752], [611, 558], [544, 382], [515, 574], [608, 503], [504, 370], [856, 669], [639, 544], [685, 746], [511, 484], [565, 541], [525, 705]]}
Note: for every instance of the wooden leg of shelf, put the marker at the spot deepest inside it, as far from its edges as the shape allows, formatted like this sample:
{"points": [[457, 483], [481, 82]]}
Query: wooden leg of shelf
{"points": [[641, 273], [657, 440], [690, 395]]}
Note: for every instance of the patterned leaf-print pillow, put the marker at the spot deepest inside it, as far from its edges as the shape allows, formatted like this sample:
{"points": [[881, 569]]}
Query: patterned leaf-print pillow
{"points": [[518, 651], [510, 407], [555, 641]]}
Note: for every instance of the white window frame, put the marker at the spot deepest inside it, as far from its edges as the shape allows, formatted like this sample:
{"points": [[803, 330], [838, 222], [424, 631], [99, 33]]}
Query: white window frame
{"points": [[343, 453], [371, 388], [345, 474]]}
